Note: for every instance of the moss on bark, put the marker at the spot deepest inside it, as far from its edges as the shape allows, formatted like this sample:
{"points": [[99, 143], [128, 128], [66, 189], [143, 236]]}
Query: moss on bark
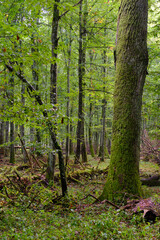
{"points": [[131, 68]]}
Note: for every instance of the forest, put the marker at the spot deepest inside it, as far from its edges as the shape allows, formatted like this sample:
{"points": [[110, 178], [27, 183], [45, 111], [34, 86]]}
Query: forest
{"points": [[79, 119]]}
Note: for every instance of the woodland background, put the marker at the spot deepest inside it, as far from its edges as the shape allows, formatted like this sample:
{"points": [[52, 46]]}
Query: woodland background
{"points": [[77, 42]]}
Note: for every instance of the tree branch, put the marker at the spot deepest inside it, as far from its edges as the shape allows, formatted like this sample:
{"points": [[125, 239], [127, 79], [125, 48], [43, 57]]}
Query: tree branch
{"points": [[63, 14], [50, 127]]}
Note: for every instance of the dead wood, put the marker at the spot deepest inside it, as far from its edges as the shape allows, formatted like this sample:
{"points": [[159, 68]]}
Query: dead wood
{"points": [[151, 181], [23, 145], [148, 151], [149, 208]]}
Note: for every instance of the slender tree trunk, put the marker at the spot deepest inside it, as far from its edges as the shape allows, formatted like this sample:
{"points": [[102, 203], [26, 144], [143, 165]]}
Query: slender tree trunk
{"points": [[1, 137], [22, 132], [53, 83], [90, 130], [11, 100], [131, 68], [6, 137], [71, 150], [81, 147], [32, 139], [50, 127], [104, 102], [35, 75], [68, 98], [96, 134], [90, 112]]}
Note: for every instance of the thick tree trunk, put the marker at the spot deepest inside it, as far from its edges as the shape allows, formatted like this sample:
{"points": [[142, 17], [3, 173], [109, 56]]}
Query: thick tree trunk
{"points": [[131, 67]]}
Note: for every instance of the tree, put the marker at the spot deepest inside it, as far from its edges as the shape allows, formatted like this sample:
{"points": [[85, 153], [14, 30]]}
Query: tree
{"points": [[131, 60], [53, 82], [81, 146]]}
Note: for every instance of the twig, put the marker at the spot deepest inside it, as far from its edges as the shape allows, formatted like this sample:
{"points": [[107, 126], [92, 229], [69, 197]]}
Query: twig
{"points": [[19, 178], [114, 205], [30, 162], [36, 160], [90, 195], [13, 184], [32, 200], [5, 188], [74, 179]]}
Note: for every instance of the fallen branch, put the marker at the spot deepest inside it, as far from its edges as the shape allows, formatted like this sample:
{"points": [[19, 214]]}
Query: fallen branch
{"points": [[24, 148], [36, 160], [112, 204], [151, 181], [101, 202]]}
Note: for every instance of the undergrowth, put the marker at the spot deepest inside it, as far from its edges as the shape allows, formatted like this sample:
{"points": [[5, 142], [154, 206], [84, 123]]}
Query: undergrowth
{"points": [[38, 212], [70, 224]]}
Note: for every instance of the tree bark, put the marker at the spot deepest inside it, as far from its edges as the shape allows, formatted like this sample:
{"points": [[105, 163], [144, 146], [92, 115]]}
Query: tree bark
{"points": [[68, 91], [90, 112], [81, 146], [53, 83], [131, 68], [22, 128], [6, 137], [11, 102], [1, 137]]}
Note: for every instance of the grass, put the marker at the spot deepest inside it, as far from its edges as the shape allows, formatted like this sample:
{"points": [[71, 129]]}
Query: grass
{"points": [[75, 217]]}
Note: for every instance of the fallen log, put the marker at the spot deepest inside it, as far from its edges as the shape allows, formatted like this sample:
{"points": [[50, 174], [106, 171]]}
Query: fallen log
{"points": [[151, 181]]}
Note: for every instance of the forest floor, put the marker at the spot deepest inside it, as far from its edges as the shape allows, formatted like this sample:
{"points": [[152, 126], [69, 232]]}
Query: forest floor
{"points": [[30, 208]]}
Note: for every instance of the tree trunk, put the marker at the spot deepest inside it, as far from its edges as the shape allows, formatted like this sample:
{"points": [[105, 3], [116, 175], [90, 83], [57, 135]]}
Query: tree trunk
{"points": [[81, 147], [68, 91], [35, 75], [53, 83], [104, 102], [50, 127], [22, 133], [131, 68], [11, 100], [6, 137], [71, 150], [96, 142], [1, 137], [90, 130], [90, 111]]}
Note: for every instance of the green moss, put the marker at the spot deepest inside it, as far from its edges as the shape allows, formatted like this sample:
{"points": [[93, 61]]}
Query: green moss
{"points": [[131, 63]]}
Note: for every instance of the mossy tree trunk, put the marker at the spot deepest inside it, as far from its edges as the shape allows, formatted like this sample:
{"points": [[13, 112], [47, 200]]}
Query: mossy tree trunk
{"points": [[131, 68]]}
